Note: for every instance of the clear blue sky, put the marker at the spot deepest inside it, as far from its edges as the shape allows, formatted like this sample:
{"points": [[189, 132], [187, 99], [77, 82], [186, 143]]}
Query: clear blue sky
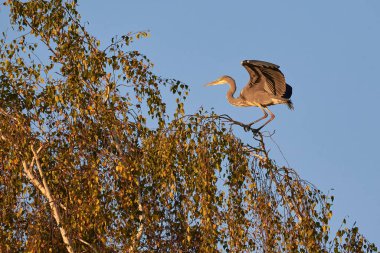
{"points": [[329, 52]]}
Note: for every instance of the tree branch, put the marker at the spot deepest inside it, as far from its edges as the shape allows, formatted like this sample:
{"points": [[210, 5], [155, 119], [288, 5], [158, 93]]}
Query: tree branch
{"points": [[141, 218], [51, 200], [88, 244], [285, 198], [32, 178]]}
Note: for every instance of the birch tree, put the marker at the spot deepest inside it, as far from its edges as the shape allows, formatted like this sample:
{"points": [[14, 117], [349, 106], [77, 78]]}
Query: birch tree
{"points": [[92, 160]]}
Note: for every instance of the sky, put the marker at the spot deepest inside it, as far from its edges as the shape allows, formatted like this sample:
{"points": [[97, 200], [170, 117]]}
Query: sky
{"points": [[328, 51]]}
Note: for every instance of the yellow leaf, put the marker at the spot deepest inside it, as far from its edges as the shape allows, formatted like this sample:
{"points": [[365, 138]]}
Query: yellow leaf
{"points": [[119, 168], [19, 212]]}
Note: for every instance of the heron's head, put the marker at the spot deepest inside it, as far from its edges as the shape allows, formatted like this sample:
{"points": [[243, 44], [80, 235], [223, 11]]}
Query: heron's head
{"points": [[220, 80]]}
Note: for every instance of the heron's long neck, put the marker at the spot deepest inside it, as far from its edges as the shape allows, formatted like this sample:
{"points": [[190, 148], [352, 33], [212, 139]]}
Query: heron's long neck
{"points": [[231, 92]]}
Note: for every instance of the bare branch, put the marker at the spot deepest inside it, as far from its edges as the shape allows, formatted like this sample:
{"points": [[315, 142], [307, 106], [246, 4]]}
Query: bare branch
{"points": [[88, 244], [140, 229], [2, 111], [32, 178], [62, 206], [52, 202]]}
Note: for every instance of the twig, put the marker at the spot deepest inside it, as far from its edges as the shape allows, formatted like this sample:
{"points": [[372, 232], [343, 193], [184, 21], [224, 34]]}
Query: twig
{"points": [[88, 244], [285, 198], [279, 149]]}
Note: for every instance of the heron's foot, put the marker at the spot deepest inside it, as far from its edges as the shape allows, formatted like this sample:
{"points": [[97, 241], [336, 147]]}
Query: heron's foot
{"points": [[255, 131], [246, 128]]}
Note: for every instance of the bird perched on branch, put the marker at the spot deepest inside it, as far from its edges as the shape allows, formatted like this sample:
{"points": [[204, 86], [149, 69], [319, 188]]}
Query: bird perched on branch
{"points": [[266, 87]]}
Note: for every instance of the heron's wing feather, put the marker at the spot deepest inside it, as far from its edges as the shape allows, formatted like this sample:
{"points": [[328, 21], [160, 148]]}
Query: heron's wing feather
{"points": [[261, 64], [253, 75], [274, 82]]}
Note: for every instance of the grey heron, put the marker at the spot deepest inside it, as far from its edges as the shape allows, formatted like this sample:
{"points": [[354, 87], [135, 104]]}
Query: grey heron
{"points": [[266, 87]]}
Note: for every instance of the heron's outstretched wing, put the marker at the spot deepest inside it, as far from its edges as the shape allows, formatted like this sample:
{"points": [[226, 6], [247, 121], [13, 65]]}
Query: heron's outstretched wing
{"points": [[274, 79]]}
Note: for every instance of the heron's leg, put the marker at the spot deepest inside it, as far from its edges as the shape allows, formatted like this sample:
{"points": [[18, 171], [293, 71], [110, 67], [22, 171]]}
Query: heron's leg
{"points": [[271, 118], [263, 117]]}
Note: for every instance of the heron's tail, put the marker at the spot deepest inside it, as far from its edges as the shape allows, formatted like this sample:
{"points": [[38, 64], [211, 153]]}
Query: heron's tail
{"points": [[289, 103]]}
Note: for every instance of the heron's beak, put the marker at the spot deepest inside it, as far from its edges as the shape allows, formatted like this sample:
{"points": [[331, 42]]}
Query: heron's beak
{"points": [[216, 82]]}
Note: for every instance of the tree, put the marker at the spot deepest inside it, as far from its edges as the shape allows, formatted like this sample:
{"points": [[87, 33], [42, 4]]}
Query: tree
{"points": [[93, 161]]}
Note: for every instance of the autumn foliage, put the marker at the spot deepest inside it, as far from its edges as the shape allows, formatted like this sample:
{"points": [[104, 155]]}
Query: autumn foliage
{"points": [[92, 160]]}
